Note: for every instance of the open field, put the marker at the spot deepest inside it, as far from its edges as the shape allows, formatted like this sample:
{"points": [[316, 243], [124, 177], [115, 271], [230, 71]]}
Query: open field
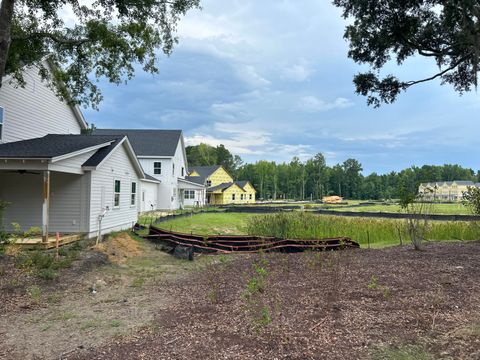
{"points": [[367, 231]]}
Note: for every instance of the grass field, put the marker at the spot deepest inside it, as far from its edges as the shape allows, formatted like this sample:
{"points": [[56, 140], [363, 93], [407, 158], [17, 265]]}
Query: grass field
{"points": [[448, 209], [209, 223], [367, 231]]}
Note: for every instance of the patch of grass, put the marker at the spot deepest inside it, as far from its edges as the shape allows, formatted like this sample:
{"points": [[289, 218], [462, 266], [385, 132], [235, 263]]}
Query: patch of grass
{"points": [[35, 292], [115, 323], [209, 223], [47, 274], [138, 282], [89, 324], [405, 352]]}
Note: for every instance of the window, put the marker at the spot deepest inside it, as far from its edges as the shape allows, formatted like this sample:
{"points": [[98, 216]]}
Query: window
{"points": [[157, 168], [116, 194], [173, 169], [1, 122], [133, 196], [189, 194], [183, 171], [233, 197], [250, 196], [241, 196], [209, 182]]}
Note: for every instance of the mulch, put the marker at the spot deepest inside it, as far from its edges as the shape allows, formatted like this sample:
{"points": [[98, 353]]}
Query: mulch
{"points": [[336, 305]]}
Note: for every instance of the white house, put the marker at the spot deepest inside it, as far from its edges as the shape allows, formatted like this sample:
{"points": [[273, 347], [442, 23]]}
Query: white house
{"points": [[162, 156], [57, 179]]}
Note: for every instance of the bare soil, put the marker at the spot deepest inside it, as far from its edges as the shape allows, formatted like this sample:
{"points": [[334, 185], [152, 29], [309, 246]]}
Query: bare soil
{"points": [[393, 303], [111, 290]]}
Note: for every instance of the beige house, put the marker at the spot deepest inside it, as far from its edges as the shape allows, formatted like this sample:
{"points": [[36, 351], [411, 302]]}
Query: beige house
{"points": [[444, 190]]}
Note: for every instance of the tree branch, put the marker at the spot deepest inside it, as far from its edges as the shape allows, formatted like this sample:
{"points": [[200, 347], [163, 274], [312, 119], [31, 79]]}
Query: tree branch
{"points": [[450, 68], [51, 36]]}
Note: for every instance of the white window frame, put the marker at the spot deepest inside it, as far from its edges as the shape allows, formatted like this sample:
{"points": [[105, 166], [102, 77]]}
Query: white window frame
{"points": [[155, 168], [133, 194], [183, 171], [115, 193], [250, 196], [209, 183], [189, 195], [233, 197], [173, 169]]}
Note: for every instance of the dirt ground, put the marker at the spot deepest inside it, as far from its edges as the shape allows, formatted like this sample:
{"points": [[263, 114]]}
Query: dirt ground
{"points": [[111, 290], [392, 303]]}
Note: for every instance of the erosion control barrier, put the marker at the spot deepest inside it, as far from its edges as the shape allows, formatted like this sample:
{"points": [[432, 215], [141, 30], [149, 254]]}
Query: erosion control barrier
{"points": [[225, 244]]}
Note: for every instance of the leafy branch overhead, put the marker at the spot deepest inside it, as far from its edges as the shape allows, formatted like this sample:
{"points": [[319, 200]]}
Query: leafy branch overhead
{"points": [[446, 31], [106, 40]]}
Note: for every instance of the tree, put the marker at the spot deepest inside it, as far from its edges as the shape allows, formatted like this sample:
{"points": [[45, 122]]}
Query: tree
{"points": [[106, 40], [445, 31]]}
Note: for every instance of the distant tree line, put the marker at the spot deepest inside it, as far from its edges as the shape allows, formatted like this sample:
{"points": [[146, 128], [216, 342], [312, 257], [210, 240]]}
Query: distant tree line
{"points": [[313, 178]]}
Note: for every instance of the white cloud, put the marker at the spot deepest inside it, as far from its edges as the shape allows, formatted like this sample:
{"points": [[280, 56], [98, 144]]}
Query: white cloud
{"points": [[247, 139], [297, 72], [249, 75], [313, 104]]}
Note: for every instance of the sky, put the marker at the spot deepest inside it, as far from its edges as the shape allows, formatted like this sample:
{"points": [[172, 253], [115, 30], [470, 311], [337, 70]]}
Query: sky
{"points": [[271, 80]]}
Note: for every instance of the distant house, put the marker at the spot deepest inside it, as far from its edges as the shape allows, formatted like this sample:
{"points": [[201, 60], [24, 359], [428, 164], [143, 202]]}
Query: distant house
{"points": [[222, 189], [445, 190], [164, 160]]}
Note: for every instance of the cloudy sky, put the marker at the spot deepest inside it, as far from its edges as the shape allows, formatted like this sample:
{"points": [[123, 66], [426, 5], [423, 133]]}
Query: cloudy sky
{"points": [[271, 80]]}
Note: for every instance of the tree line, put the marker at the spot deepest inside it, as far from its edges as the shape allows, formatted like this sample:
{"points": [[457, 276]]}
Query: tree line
{"points": [[313, 178]]}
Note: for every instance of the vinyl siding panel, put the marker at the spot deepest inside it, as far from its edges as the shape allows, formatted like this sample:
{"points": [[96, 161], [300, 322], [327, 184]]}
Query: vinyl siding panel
{"points": [[34, 111], [117, 166], [68, 201]]}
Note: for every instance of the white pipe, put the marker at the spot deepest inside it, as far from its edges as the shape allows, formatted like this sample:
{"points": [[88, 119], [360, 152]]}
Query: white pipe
{"points": [[100, 218]]}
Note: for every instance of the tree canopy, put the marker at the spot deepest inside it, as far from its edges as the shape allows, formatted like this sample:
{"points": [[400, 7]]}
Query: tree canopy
{"points": [[446, 31], [207, 155], [106, 40]]}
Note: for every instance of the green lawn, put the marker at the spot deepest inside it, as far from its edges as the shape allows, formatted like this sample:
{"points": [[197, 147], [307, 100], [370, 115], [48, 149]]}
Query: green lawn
{"points": [[448, 209], [209, 223], [367, 231]]}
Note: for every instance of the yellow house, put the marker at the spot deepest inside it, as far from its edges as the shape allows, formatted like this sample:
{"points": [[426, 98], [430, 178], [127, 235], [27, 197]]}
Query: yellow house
{"points": [[222, 189]]}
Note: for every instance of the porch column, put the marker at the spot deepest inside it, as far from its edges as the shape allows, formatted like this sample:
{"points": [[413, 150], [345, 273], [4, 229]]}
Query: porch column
{"points": [[46, 205]]}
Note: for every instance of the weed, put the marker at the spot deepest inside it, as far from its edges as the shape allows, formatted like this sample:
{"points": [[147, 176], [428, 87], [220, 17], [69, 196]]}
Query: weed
{"points": [[115, 323], [35, 292], [138, 282], [373, 284], [89, 324], [47, 274]]}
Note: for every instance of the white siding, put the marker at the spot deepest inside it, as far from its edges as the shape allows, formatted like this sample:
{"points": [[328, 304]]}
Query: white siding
{"points": [[34, 111], [168, 192], [68, 201], [117, 166], [25, 196], [199, 198], [148, 196]]}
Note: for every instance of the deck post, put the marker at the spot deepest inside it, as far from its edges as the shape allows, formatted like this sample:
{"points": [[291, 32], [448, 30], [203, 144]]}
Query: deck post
{"points": [[46, 205]]}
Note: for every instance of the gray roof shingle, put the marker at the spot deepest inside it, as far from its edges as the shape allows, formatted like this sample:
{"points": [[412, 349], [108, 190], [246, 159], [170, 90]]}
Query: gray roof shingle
{"points": [[204, 171], [51, 146], [148, 142], [195, 179]]}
